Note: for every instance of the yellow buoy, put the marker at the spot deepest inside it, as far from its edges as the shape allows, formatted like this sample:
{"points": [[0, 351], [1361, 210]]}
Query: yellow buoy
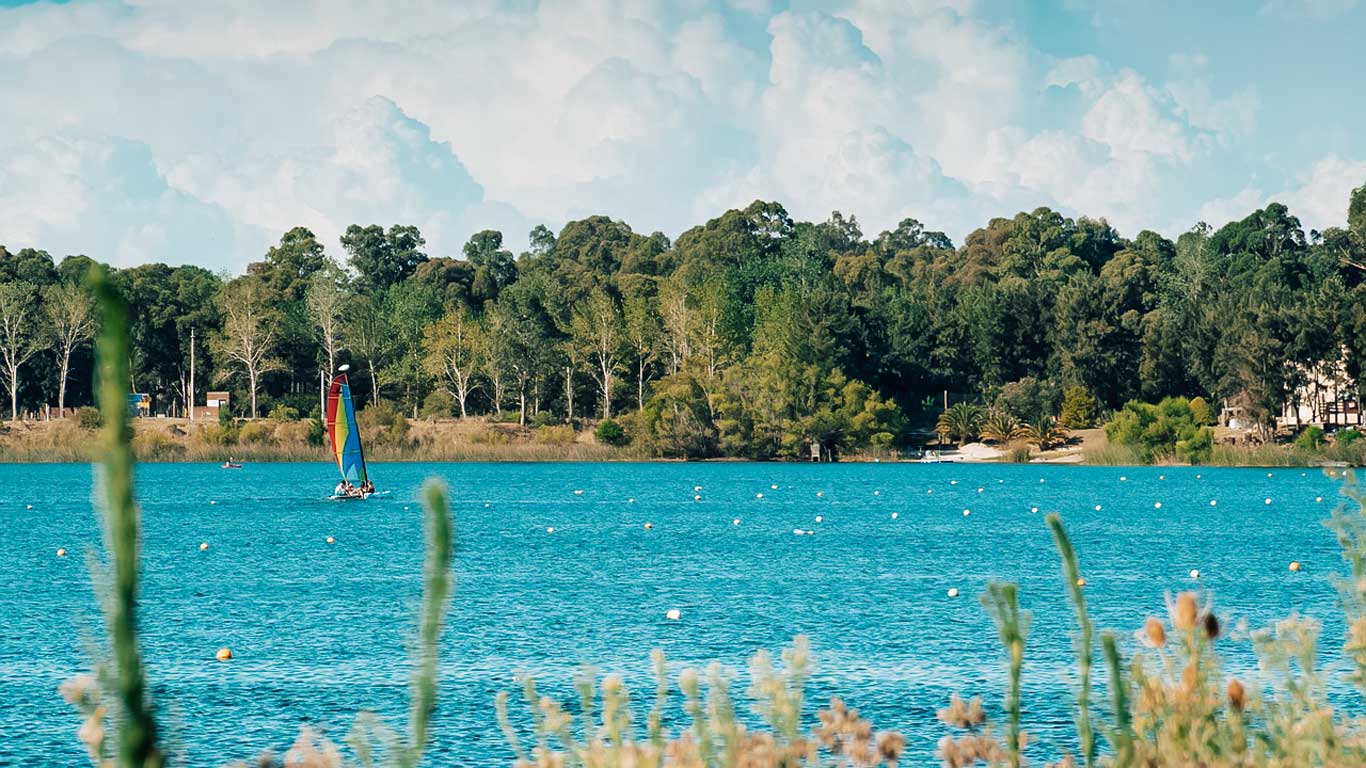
{"points": [[331, 540], [1294, 565], [1081, 582], [223, 654], [61, 552], [649, 526], [953, 592], [203, 545]]}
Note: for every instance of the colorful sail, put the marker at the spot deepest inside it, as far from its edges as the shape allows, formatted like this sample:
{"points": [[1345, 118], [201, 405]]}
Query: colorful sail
{"points": [[343, 432]]}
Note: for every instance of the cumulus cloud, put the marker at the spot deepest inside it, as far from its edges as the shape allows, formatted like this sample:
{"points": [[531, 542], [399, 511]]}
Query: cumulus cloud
{"points": [[176, 131], [1319, 199]]}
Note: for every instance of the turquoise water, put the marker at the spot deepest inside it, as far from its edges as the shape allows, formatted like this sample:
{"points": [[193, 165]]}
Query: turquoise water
{"points": [[320, 632]]}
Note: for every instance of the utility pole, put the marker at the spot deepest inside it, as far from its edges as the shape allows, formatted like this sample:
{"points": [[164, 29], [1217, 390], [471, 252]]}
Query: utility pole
{"points": [[322, 395], [189, 391]]}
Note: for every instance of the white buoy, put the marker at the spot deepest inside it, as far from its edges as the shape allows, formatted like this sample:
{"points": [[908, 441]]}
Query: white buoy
{"points": [[930, 491], [1268, 474], [697, 498], [673, 614], [953, 592], [578, 493], [1157, 505], [1213, 503], [953, 482], [773, 487], [1041, 479], [1161, 477], [736, 521], [1033, 509], [486, 505], [1197, 477], [820, 494], [1122, 478], [1195, 573], [797, 531], [967, 512], [631, 500], [979, 490], [697, 487], [30, 506], [1268, 501], [894, 515], [61, 552], [820, 519], [550, 529], [1097, 507], [213, 502], [1318, 499], [203, 545], [877, 493], [758, 495]]}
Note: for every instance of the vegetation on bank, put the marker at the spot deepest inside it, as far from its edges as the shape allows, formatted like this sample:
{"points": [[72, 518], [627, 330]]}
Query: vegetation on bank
{"points": [[750, 335], [1168, 702]]}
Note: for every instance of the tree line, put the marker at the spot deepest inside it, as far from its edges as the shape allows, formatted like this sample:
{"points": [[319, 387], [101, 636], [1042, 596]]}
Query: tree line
{"points": [[752, 334]]}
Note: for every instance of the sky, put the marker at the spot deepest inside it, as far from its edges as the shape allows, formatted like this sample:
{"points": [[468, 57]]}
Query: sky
{"points": [[192, 132]]}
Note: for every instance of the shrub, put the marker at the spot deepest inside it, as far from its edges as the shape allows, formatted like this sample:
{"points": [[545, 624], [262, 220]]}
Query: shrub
{"points": [[383, 423], [1311, 439], [1198, 448], [293, 432], [217, 434], [1029, 398], [439, 404], [316, 432], [490, 436], [610, 432], [89, 418], [1078, 409], [1346, 437], [1155, 430], [284, 412], [1200, 410], [256, 433], [558, 435], [1018, 455], [157, 445]]}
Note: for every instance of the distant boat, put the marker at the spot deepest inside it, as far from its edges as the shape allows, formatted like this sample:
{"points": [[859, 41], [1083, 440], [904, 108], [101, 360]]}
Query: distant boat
{"points": [[931, 457], [344, 437], [231, 465]]}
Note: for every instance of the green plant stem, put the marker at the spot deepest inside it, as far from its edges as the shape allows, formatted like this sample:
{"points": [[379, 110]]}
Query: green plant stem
{"points": [[1122, 738], [436, 593], [137, 741], [1071, 571]]}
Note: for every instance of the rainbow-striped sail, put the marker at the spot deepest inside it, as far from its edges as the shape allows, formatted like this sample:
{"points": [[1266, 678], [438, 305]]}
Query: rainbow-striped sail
{"points": [[343, 432]]}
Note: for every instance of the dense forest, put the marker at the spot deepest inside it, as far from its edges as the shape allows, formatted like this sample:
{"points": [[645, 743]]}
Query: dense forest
{"points": [[750, 335]]}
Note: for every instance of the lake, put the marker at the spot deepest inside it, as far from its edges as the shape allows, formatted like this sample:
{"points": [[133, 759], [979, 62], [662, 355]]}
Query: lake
{"points": [[321, 631]]}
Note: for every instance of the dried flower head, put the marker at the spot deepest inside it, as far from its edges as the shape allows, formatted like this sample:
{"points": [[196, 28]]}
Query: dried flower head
{"points": [[962, 714], [1157, 634], [1211, 623], [1237, 695], [1186, 612]]}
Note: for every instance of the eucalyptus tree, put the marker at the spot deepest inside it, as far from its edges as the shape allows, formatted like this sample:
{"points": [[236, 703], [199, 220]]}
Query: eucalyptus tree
{"points": [[21, 336], [250, 332], [70, 312]]}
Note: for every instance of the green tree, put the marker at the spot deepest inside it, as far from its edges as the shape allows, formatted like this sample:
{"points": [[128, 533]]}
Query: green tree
{"points": [[455, 348], [962, 421], [70, 312], [1078, 409], [247, 340], [383, 258], [21, 336]]}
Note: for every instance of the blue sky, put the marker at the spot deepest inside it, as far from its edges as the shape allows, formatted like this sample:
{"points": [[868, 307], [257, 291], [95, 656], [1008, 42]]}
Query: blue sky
{"points": [[187, 132]]}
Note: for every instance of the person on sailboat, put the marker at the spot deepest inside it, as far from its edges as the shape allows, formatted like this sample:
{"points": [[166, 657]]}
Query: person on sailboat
{"points": [[343, 489], [367, 487]]}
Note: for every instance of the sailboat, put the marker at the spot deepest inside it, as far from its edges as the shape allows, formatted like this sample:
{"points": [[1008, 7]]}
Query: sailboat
{"points": [[344, 436]]}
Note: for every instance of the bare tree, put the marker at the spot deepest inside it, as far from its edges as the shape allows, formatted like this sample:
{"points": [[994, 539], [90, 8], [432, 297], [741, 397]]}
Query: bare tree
{"points": [[597, 331], [456, 347], [71, 319], [326, 297], [678, 320], [249, 333], [20, 336]]}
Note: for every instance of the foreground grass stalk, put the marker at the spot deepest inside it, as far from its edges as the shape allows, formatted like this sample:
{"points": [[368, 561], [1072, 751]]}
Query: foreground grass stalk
{"points": [[137, 728], [1071, 572], [436, 595], [1122, 735], [1001, 600]]}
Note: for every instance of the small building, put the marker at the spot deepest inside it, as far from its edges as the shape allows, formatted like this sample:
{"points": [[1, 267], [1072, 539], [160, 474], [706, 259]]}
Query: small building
{"points": [[1327, 397], [214, 403]]}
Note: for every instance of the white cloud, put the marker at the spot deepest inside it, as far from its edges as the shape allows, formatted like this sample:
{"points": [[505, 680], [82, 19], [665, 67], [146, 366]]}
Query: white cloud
{"points": [[1319, 199]]}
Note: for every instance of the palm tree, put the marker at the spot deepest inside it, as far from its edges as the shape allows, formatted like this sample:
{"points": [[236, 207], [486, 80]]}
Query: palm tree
{"points": [[999, 427], [961, 421], [1045, 432]]}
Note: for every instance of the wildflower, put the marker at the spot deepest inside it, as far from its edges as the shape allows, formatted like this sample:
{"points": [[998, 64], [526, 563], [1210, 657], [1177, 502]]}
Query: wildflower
{"points": [[890, 745], [1186, 613], [963, 715], [91, 733], [1211, 626], [1157, 635], [77, 689], [1237, 695]]}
